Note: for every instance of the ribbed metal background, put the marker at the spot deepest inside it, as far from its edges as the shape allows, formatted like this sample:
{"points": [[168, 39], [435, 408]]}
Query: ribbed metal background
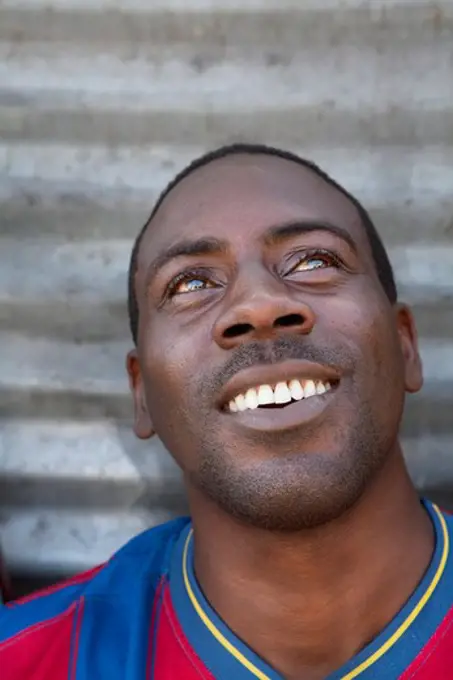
{"points": [[101, 102]]}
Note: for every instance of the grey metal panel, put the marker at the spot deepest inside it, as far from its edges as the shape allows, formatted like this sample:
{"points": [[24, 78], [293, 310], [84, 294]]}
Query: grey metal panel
{"points": [[101, 102]]}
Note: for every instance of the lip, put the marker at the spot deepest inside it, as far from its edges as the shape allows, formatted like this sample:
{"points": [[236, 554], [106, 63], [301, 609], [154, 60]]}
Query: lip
{"points": [[273, 374]]}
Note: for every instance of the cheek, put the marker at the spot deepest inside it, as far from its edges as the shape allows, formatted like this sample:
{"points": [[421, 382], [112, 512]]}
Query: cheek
{"points": [[367, 323], [168, 361]]}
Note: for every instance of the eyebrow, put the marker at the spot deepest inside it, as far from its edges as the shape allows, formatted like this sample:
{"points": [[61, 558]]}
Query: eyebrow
{"points": [[214, 246], [187, 248], [283, 232]]}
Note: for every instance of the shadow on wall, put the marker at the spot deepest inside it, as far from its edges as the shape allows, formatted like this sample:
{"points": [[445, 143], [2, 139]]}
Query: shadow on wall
{"points": [[5, 583]]}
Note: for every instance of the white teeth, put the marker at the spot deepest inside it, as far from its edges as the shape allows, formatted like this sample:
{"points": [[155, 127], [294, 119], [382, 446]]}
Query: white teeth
{"points": [[296, 389], [251, 399], [282, 395], [265, 395], [309, 388], [240, 403], [320, 387]]}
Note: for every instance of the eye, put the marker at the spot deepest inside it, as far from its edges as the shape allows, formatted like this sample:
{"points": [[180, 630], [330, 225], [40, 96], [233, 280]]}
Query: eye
{"points": [[189, 282], [316, 259]]}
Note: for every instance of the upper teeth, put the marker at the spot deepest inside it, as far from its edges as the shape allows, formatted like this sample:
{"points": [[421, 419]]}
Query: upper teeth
{"points": [[281, 393]]}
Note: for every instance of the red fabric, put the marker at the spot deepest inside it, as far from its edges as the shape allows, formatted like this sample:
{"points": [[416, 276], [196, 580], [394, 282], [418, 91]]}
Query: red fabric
{"points": [[22, 656], [152, 628], [435, 661], [174, 657]]}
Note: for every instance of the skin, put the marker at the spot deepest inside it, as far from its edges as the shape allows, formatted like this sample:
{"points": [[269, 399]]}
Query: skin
{"points": [[329, 537]]}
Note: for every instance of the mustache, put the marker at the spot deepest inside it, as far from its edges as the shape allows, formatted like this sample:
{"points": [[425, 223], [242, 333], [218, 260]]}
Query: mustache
{"points": [[276, 351]]}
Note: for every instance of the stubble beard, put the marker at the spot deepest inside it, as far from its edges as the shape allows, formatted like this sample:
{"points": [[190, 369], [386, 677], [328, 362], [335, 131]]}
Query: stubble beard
{"points": [[294, 490]]}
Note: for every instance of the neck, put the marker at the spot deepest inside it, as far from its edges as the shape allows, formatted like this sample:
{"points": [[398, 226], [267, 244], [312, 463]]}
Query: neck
{"points": [[311, 600]]}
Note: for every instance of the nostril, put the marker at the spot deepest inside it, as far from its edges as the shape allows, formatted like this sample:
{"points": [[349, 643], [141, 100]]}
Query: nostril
{"points": [[237, 330], [289, 320]]}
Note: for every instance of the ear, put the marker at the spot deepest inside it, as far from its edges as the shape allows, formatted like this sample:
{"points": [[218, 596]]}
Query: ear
{"points": [[407, 332], [143, 427]]}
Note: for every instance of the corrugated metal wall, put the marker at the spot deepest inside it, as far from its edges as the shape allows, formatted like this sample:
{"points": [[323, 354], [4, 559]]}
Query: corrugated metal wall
{"points": [[101, 102]]}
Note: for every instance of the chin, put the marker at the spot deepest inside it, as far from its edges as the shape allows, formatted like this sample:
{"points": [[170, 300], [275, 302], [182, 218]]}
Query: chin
{"points": [[291, 494]]}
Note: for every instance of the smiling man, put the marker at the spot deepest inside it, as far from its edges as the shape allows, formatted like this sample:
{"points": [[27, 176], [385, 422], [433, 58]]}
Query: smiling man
{"points": [[272, 358]]}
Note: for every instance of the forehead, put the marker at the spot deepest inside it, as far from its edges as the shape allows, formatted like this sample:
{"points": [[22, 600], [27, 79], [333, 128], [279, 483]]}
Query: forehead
{"points": [[239, 197]]}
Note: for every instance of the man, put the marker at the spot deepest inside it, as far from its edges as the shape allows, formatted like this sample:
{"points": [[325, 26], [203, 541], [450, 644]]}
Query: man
{"points": [[273, 359]]}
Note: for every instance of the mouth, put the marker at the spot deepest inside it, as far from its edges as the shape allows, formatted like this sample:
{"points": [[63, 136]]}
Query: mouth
{"points": [[280, 396]]}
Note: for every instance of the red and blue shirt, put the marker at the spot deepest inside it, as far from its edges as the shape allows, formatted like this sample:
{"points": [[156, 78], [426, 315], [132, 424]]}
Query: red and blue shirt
{"points": [[142, 616]]}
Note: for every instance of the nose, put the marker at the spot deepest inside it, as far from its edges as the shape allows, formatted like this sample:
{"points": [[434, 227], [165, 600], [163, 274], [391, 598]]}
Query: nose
{"points": [[263, 311]]}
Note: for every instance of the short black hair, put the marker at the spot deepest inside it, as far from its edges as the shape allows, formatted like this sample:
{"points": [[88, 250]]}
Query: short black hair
{"points": [[381, 260]]}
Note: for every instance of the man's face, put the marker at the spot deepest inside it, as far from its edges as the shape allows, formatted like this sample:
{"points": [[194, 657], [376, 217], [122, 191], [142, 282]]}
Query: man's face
{"points": [[269, 361]]}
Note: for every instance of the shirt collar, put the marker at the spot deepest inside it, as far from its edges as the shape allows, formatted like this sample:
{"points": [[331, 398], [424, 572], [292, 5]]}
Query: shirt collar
{"points": [[388, 655]]}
